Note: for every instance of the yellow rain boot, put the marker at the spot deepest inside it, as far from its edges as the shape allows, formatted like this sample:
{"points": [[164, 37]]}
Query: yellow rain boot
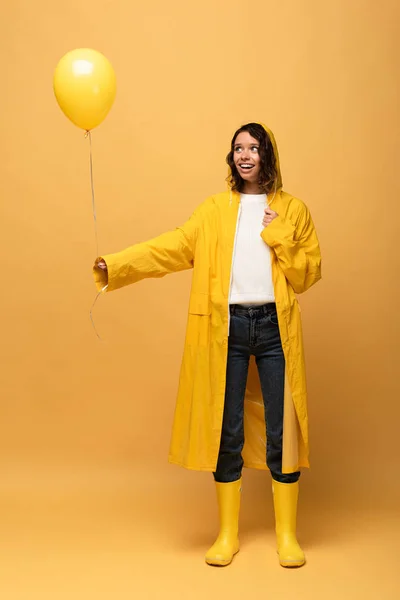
{"points": [[227, 543], [285, 505]]}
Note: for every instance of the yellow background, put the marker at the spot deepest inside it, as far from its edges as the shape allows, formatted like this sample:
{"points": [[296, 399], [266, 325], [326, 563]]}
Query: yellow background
{"points": [[89, 504]]}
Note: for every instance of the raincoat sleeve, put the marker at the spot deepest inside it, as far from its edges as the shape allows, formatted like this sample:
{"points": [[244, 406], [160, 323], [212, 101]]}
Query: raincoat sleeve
{"points": [[170, 252], [296, 247]]}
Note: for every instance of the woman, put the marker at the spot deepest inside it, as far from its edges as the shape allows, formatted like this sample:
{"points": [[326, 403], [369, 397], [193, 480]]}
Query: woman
{"points": [[252, 249]]}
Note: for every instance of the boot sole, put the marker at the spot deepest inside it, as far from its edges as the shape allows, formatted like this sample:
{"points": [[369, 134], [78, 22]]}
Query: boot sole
{"points": [[292, 564], [220, 563]]}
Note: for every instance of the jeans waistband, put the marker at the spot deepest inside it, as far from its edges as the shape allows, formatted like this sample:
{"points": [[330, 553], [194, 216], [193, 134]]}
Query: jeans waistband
{"points": [[262, 309]]}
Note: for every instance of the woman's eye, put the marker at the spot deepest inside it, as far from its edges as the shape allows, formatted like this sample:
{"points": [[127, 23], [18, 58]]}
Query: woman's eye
{"points": [[254, 148], [238, 149]]}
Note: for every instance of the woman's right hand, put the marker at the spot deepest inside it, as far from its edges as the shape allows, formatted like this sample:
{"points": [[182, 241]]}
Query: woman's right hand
{"points": [[101, 264]]}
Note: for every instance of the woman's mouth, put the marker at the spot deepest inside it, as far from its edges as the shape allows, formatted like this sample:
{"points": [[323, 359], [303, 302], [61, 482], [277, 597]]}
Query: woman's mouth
{"points": [[245, 167]]}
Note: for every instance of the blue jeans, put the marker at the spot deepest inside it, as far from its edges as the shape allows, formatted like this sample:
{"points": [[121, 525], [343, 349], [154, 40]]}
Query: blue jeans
{"points": [[253, 331]]}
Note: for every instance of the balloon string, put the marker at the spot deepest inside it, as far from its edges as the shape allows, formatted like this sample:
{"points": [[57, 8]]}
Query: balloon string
{"points": [[91, 310], [89, 135]]}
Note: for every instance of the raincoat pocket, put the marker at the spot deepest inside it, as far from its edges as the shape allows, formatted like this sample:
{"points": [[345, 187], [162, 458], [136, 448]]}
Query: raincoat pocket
{"points": [[199, 304], [199, 320]]}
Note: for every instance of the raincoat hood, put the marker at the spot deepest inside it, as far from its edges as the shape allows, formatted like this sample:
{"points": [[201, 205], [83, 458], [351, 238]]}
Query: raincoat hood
{"points": [[276, 153]]}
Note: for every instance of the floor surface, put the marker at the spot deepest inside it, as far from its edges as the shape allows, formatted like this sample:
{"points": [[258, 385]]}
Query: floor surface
{"points": [[83, 535]]}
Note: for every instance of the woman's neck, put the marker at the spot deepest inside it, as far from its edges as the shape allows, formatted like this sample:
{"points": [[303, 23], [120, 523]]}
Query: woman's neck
{"points": [[252, 188]]}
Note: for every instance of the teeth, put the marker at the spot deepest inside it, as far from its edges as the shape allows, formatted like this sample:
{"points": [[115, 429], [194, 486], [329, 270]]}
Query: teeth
{"points": [[246, 166]]}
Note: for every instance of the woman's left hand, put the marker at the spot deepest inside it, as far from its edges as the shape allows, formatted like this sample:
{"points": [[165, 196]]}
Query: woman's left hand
{"points": [[269, 216]]}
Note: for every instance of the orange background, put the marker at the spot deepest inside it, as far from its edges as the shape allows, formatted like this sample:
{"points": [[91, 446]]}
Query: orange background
{"points": [[85, 426]]}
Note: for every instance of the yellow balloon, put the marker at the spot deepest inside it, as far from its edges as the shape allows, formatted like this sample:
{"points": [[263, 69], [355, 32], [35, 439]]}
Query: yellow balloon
{"points": [[85, 87]]}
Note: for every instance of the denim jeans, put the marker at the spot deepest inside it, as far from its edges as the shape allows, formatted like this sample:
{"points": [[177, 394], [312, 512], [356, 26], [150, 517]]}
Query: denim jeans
{"points": [[253, 331]]}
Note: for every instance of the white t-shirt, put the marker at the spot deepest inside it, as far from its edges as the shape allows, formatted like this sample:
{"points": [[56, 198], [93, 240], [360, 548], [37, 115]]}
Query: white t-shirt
{"points": [[252, 274]]}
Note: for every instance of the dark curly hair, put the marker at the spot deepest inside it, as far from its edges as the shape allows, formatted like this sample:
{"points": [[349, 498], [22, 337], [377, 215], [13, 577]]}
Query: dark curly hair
{"points": [[268, 172]]}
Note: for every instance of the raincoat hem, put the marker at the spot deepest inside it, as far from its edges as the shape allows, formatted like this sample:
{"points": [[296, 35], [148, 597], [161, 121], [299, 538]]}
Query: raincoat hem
{"points": [[258, 466]]}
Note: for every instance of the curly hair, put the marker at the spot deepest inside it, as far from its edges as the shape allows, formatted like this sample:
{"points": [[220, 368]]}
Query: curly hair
{"points": [[268, 172]]}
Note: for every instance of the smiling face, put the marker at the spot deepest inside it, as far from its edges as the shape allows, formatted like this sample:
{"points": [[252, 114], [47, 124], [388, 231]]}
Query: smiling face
{"points": [[253, 166], [246, 156]]}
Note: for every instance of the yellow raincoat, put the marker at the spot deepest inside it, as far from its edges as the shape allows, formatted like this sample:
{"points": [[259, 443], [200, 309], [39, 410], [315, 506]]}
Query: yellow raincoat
{"points": [[205, 243]]}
